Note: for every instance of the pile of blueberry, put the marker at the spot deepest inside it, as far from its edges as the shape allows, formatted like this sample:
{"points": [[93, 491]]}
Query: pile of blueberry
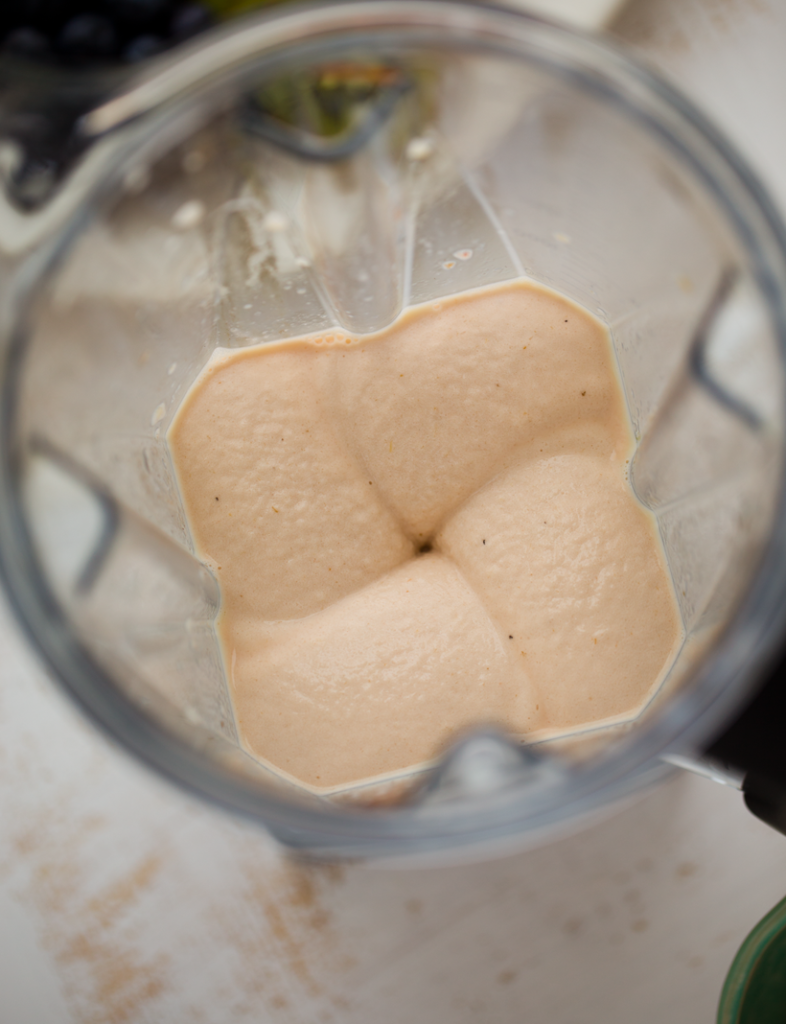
{"points": [[80, 32]]}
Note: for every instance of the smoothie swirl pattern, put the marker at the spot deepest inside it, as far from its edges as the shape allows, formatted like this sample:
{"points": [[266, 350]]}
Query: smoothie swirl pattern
{"points": [[424, 529]]}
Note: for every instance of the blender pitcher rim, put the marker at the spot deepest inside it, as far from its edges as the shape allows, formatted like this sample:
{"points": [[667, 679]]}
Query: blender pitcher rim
{"points": [[720, 684]]}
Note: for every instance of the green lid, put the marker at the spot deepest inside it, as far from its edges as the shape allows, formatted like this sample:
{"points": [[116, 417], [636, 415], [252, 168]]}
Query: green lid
{"points": [[755, 987]]}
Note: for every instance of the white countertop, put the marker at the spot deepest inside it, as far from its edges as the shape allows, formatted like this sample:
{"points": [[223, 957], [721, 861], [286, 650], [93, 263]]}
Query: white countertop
{"points": [[122, 900]]}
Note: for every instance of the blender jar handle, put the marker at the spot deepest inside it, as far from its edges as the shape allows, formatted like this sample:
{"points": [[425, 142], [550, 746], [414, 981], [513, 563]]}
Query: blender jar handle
{"points": [[755, 746], [47, 163], [39, 113]]}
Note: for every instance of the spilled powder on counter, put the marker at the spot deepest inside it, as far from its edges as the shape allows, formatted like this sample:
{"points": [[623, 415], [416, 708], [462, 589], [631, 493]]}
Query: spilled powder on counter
{"points": [[424, 529]]}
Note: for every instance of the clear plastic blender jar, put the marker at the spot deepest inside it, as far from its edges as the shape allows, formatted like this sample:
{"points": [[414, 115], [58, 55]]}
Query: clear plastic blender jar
{"points": [[329, 166]]}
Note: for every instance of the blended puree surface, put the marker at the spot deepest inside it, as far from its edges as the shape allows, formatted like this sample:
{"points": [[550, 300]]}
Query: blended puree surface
{"points": [[424, 529]]}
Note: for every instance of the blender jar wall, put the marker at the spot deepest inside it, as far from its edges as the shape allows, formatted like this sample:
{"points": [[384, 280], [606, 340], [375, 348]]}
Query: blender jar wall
{"points": [[227, 239]]}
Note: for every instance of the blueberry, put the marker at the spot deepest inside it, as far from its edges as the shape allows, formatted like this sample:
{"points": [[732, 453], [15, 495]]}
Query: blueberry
{"points": [[189, 19], [45, 15], [143, 47], [87, 35], [138, 12], [27, 42]]}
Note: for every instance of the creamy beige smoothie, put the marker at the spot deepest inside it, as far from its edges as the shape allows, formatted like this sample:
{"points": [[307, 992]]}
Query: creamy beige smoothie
{"points": [[422, 530]]}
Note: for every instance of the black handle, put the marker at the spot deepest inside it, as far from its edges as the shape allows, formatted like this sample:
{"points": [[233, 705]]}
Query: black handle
{"points": [[755, 744], [39, 109]]}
